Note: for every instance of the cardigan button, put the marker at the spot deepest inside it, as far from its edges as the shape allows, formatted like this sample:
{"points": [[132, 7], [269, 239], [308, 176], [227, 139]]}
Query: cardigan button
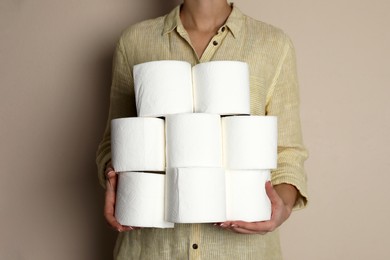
{"points": [[195, 246], [215, 43]]}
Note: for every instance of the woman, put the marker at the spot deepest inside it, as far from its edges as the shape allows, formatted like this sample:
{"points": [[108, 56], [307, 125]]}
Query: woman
{"points": [[200, 31]]}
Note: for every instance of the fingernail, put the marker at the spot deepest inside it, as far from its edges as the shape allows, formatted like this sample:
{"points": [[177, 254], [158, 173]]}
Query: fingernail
{"points": [[222, 225], [119, 230], [233, 225]]}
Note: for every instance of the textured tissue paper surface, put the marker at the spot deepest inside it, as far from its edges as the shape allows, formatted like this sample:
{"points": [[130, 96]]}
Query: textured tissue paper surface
{"points": [[221, 87], [250, 142], [246, 197], [172, 87], [196, 195], [162, 88], [193, 140], [140, 200], [138, 144]]}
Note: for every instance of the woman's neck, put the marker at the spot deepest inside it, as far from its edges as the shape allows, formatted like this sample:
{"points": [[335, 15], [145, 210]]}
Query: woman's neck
{"points": [[204, 15]]}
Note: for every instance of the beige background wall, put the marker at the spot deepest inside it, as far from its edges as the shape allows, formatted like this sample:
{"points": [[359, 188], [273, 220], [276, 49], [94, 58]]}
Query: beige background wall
{"points": [[55, 64]]}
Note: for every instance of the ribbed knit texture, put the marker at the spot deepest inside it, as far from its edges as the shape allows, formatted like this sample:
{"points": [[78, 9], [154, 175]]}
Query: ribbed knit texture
{"points": [[274, 91]]}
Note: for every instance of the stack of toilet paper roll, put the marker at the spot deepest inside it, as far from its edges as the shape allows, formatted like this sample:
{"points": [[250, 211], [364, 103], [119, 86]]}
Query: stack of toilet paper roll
{"points": [[179, 161]]}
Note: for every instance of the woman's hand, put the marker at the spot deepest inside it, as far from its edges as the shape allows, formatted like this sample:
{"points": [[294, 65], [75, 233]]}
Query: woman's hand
{"points": [[109, 205], [282, 199]]}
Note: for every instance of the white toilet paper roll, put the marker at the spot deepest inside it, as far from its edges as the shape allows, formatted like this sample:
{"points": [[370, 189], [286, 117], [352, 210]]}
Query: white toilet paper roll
{"points": [[193, 140], [138, 144], [163, 87], [221, 87], [195, 195], [250, 142], [246, 198], [140, 200]]}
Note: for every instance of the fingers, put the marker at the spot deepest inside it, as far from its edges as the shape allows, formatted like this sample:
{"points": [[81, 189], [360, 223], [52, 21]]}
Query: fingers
{"points": [[272, 194], [261, 227], [112, 178], [109, 204], [243, 227], [113, 223], [230, 226], [245, 231]]}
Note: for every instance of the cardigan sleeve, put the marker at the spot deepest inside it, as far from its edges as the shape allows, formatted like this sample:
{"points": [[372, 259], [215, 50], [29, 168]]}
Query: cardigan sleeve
{"points": [[122, 104], [283, 102]]}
